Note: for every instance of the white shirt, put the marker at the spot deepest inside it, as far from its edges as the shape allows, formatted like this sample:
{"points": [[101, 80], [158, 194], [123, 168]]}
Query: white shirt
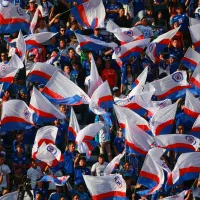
{"points": [[34, 174], [104, 133], [146, 31], [87, 81], [5, 170], [44, 9], [98, 168]]}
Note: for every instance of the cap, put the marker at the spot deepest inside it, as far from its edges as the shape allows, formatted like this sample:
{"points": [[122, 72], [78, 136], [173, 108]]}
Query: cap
{"points": [[172, 56], [74, 62], [31, 54], [31, 1], [115, 89]]}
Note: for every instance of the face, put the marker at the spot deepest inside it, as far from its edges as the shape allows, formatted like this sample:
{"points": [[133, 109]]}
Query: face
{"points": [[62, 31], [99, 61], [96, 31], [82, 163], [19, 149], [76, 197], [175, 43], [107, 64], [63, 109], [121, 12], [42, 23], [144, 22], [38, 196], [171, 60], [62, 44], [120, 132], [2, 160], [75, 66], [32, 4], [179, 10], [74, 26], [126, 166], [33, 164], [149, 12], [159, 15], [101, 160], [71, 53], [3, 57], [176, 25], [180, 129], [72, 147], [81, 188], [57, 122], [67, 69]]}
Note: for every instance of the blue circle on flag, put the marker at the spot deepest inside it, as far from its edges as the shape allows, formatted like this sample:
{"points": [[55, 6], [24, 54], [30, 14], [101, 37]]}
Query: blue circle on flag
{"points": [[177, 77], [190, 139]]}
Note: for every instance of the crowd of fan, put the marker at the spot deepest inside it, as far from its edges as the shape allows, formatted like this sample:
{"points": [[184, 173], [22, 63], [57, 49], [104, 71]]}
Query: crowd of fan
{"points": [[152, 18]]}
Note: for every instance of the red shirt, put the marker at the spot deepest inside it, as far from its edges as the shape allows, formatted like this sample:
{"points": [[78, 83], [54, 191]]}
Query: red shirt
{"points": [[109, 75]]}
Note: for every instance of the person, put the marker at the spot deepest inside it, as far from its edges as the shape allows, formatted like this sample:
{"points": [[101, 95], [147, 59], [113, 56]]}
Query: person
{"points": [[119, 142], [34, 173], [4, 174], [18, 177], [99, 167], [39, 188], [58, 194], [80, 169], [80, 192], [112, 10], [173, 64], [144, 28], [41, 26], [96, 35], [18, 140], [122, 20], [175, 49], [117, 95], [4, 58]]}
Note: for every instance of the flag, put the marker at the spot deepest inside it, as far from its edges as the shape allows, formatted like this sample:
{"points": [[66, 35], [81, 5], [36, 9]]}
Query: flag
{"points": [[179, 196], [151, 174], [21, 46], [195, 131], [41, 72], [9, 70], [171, 87], [90, 14], [137, 140], [56, 180], [158, 45], [34, 21], [195, 79], [12, 18], [89, 43], [44, 111], [139, 82], [162, 122], [88, 132], [57, 92], [48, 153], [192, 108], [191, 59], [125, 35], [113, 164], [125, 113], [16, 115], [177, 142], [187, 168], [95, 80], [45, 134], [193, 21], [195, 35], [131, 49], [73, 128], [102, 98], [12, 196], [106, 187]]}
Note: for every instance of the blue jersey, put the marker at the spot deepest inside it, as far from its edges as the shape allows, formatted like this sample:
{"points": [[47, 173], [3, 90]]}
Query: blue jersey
{"points": [[41, 190], [145, 62], [19, 160], [119, 143], [70, 32], [100, 37], [60, 138], [173, 67], [79, 172], [15, 143], [57, 196], [86, 66], [69, 161], [182, 20], [177, 52], [109, 7]]}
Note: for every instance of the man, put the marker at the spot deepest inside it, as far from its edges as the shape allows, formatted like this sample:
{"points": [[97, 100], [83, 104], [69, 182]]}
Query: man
{"points": [[58, 194], [4, 174], [99, 167], [173, 64], [144, 28], [117, 95], [112, 10], [4, 58]]}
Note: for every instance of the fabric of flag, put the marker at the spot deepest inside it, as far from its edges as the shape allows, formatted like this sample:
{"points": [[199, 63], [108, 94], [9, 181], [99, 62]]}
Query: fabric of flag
{"points": [[113, 164], [9, 70], [45, 134], [138, 84], [171, 87], [125, 35], [90, 14], [88, 132], [89, 43], [195, 35], [44, 111], [21, 46], [87, 146], [102, 98], [12, 196], [53, 179], [137, 141], [187, 168], [177, 142], [151, 174], [191, 59], [131, 49], [195, 79], [73, 128], [41, 73], [162, 122], [106, 187], [95, 80], [179, 196], [125, 113], [13, 18], [193, 21], [16, 115], [34, 20], [159, 44], [195, 131], [191, 108], [57, 92], [48, 153]]}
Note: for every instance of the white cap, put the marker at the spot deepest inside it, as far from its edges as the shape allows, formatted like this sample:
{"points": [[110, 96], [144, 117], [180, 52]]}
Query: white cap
{"points": [[115, 88]]}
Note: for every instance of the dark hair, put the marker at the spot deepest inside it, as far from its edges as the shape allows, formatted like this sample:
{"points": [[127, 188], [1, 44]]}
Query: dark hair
{"points": [[101, 156], [71, 49], [73, 22], [71, 143], [82, 158]]}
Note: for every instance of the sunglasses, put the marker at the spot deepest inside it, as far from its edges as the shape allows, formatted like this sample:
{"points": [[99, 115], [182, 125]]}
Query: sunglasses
{"points": [[3, 55], [62, 30]]}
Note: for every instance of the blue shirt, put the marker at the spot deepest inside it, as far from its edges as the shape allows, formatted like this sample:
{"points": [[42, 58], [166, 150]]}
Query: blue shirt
{"points": [[43, 191], [57, 196], [177, 52], [86, 66], [182, 20], [74, 75], [79, 172], [60, 138], [15, 143], [119, 144], [70, 32], [69, 161], [173, 67], [82, 195], [100, 37], [110, 7]]}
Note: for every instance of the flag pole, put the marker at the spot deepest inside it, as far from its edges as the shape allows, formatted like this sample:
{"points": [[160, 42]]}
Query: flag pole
{"points": [[64, 12]]}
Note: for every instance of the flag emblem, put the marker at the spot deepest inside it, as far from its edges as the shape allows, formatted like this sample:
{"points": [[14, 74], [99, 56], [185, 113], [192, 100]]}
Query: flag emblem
{"points": [[26, 113], [118, 181], [191, 140], [51, 149], [20, 11], [3, 68], [129, 33], [117, 50], [177, 77]]}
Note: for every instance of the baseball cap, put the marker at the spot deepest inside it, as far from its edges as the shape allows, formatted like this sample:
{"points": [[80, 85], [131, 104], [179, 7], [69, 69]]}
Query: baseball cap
{"points": [[31, 1], [115, 89], [172, 56]]}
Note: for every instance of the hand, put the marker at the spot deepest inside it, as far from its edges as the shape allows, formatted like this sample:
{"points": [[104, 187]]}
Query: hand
{"points": [[58, 15], [66, 149]]}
